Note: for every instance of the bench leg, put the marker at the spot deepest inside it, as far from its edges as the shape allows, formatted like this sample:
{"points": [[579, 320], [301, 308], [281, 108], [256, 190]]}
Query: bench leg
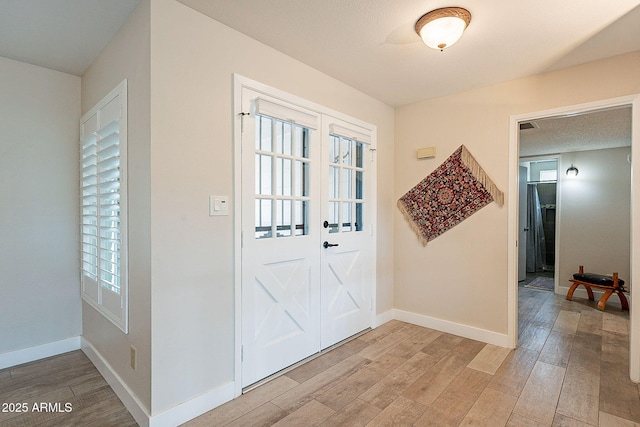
{"points": [[623, 301], [572, 289], [603, 300]]}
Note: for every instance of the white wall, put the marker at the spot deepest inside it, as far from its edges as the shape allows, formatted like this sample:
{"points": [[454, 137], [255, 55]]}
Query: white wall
{"points": [[193, 59], [127, 57], [39, 185], [594, 216], [461, 277]]}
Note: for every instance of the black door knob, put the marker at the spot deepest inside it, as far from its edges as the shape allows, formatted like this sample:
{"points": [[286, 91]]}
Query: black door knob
{"points": [[329, 245]]}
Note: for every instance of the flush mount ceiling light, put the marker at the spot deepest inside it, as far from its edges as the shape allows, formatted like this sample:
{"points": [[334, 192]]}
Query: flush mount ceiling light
{"points": [[443, 27]]}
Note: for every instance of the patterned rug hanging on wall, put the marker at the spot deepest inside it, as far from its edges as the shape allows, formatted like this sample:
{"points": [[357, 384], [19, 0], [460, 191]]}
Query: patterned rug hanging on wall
{"points": [[457, 189]]}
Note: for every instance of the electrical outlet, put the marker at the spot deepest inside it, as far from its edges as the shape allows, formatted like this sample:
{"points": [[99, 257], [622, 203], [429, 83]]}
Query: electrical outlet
{"points": [[134, 358]]}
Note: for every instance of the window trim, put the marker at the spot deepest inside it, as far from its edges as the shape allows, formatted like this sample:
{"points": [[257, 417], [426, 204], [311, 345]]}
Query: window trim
{"points": [[114, 306]]}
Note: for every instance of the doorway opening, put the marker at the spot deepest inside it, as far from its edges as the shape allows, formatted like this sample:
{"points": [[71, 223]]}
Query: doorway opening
{"points": [[538, 201], [588, 157]]}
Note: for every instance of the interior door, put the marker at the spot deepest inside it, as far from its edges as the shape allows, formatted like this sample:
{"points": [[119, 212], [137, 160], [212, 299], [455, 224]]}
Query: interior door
{"points": [[347, 256], [280, 249]]}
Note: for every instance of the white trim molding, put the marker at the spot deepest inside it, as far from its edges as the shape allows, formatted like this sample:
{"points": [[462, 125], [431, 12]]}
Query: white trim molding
{"points": [[193, 408], [177, 415], [383, 318], [458, 329], [137, 409], [38, 352]]}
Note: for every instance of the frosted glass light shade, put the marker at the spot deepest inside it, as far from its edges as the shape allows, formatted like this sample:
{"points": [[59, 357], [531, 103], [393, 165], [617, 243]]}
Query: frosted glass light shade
{"points": [[442, 28]]}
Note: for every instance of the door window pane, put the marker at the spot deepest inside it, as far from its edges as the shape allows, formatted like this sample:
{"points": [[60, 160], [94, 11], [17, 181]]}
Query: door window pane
{"points": [[265, 134], [286, 138], [359, 154], [263, 174], [347, 157], [347, 185], [283, 184], [283, 213], [334, 215], [359, 184], [301, 213], [282, 171], [334, 149], [263, 219], [346, 217], [302, 179], [334, 182], [301, 142], [283, 137]]}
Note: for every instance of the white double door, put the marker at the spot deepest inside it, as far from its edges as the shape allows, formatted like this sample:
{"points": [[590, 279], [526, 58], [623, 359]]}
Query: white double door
{"points": [[307, 251]]}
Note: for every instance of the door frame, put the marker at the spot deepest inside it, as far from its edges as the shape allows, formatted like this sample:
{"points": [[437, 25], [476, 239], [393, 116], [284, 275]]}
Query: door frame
{"points": [[240, 82], [512, 221]]}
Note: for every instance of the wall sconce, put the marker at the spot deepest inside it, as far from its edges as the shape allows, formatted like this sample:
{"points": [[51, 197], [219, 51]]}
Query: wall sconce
{"points": [[443, 27], [572, 172]]}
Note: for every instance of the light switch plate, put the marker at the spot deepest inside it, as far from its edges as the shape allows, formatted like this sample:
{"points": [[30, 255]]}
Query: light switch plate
{"points": [[218, 205]]}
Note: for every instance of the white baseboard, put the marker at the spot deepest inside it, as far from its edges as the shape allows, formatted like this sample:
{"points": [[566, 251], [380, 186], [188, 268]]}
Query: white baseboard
{"points": [[177, 415], [383, 318], [194, 407], [461, 330], [138, 410], [38, 352]]}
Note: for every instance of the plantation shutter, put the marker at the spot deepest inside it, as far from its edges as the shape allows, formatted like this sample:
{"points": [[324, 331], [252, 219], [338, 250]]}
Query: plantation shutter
{"points": [[103, 139]]}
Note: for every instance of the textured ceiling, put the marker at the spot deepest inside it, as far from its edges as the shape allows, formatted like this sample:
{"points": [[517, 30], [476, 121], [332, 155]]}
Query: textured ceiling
{"points": [[608, 128]]}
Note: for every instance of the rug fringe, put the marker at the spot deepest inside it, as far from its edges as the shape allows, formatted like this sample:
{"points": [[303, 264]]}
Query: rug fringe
{"points": [[474, 167], [414, 226]]}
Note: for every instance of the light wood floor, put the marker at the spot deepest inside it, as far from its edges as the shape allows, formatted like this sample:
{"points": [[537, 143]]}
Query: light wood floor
{"points": [[67, 379], [571, 369]]}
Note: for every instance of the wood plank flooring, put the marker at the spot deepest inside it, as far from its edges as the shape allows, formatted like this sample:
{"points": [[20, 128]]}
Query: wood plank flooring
{"points": [[65, 390], [570, 369]]}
